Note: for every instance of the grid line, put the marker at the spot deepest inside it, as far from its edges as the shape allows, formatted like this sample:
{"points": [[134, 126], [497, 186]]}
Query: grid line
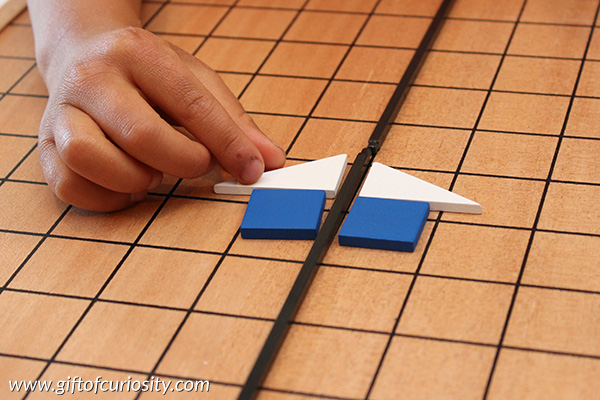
{"points": [[90, 305], [538, 215], [438, 219], [190, 310]]}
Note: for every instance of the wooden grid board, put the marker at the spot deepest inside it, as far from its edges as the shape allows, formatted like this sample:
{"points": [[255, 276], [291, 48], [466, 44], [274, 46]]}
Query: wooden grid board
{"points": [[9, 9], [504, 305]]}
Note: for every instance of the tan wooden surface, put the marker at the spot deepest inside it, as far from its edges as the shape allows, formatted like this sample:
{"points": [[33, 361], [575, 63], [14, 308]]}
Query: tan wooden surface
{"points": [[9, 9]]}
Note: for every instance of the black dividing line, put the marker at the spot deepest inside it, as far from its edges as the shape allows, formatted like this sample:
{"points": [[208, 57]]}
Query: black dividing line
{"points": [[340, 206], [534, 229]]}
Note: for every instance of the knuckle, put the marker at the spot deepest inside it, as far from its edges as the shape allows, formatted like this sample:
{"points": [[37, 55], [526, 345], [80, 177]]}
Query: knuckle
{"points": [[101, 60], [133, 132], [201, 166], [60, 182], [133, 33], [196, 163], [72, 148], [130, 40], [84, 77], [199, 107], [45, 142], [46, 150], [48, 120], [63, 188], [233, 146]]}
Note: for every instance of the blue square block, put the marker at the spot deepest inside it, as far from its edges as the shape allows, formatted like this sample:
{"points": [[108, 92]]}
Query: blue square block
{"points": [[384, 224], [283, 214]]}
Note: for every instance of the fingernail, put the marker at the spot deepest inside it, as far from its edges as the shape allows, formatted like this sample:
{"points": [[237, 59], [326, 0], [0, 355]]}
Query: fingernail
{"points": [[137, 197], [157, 177], [252, 171]]}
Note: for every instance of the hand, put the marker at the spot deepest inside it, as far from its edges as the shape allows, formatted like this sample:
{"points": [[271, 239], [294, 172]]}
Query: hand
{"points": [[102, 143]]}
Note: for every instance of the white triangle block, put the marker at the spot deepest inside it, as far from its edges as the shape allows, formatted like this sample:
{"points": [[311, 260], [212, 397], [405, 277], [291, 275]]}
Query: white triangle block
{"points": [[388, 183], [325, 174]]}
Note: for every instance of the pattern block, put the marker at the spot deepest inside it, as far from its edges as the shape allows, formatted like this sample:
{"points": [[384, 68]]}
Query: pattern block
{"points": [[384, 224], [324, 174], [283, 214], [389, 183]]}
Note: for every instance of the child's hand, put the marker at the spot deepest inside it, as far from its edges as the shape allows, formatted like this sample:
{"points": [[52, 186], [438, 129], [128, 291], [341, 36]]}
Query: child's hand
{"points": [[102, 143]]}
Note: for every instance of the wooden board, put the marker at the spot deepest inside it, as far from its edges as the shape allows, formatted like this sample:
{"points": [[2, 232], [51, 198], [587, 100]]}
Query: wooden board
{"points": [[10, 9], [503, 305]]}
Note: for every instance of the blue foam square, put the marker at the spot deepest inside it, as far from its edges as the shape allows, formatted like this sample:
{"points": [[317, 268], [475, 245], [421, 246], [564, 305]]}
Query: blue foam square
{"points": [[384, 224], [283, 214]]}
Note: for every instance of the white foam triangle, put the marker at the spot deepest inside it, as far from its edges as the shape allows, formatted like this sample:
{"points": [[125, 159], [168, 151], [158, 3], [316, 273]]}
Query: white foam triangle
{"points": [[389, 183], [325, 174]]}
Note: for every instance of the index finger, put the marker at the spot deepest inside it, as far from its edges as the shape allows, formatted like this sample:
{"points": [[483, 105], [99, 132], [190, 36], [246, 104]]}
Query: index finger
{"points": [[190, 103]]}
